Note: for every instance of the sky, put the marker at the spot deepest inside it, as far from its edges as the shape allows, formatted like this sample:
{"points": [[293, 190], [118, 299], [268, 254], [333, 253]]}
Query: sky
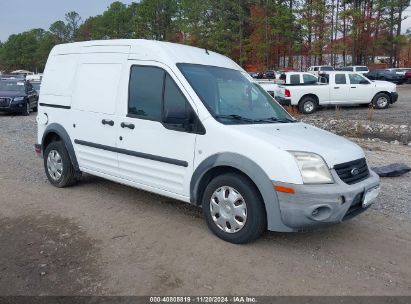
{"points": [[17, 16]]}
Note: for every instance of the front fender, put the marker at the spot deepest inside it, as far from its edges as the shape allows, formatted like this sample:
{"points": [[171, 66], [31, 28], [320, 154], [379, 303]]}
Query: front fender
{"points": [[254, 172]]}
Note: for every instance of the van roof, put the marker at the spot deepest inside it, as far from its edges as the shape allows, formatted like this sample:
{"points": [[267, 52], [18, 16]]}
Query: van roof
{"points": [[141, 49]]}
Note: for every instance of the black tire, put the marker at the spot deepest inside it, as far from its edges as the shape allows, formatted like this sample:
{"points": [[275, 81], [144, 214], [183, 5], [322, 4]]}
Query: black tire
{"points": [[378, 104], [68, 176], [26, 109], [256, 219], [303, 105]]}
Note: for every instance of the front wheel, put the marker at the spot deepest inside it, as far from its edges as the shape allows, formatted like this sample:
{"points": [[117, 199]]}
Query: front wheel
{"points": [[234, 209], [381, 101], [26, 109], [57, 164]]}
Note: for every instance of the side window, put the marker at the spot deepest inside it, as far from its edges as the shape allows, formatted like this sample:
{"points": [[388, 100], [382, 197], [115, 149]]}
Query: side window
{"points": [[307, 78], [356, 79], [29, 87], [316, 68], [340, 79], [176, 108], [146, 92], [295, 79]]}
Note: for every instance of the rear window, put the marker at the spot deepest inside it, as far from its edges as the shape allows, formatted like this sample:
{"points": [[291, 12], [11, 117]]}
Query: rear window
{"points": [[362, 69], [349, 69], [327, 68], [295, 79]]}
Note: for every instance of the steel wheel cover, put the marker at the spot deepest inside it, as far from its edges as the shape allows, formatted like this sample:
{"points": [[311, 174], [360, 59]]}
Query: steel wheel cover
{"points": [[54, 165], [228, 209]]}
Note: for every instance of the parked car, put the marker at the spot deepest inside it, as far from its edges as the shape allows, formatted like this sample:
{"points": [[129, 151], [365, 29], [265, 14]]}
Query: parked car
{"points": [[17, 96], [269, 74], [408, 76], [253, 74], [360, 69], [387, 76], [341, 88], [289, 78], [319, 69], [399, 71], [190, 124]]}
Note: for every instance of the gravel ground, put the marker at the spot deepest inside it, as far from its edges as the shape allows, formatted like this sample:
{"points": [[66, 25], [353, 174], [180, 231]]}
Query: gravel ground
{"points": [[108, 239]]}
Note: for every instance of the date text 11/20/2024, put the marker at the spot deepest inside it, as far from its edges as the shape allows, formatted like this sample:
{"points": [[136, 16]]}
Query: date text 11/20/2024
{"points": [[205, 299]]}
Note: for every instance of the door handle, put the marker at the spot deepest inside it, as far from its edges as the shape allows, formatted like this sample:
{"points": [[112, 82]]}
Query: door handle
{"points": [[336, 87], [107, 122], [127, 125]]}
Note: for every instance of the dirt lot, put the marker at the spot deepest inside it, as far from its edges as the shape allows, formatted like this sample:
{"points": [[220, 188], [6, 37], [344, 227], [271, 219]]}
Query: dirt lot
{"points": [[104, 238]]}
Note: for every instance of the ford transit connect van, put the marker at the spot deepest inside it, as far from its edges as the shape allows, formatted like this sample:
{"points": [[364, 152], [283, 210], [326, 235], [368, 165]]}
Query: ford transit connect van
{"points": [[192, 125]]}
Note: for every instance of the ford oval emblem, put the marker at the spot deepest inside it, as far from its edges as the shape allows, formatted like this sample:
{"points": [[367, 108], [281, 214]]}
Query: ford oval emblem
{"points": [[355, 171]]}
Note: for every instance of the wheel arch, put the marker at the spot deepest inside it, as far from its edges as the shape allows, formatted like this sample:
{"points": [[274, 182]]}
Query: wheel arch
{"points": [[383, 92], [56, 132], [309, 95], [231, 162]]}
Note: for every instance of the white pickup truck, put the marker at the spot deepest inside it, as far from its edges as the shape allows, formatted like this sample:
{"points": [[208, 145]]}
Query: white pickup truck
{"points": [[339, 88], [287, 78]]}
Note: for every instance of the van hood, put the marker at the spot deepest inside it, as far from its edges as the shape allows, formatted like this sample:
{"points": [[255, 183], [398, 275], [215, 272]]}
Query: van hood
{"points": [[303, 137]]}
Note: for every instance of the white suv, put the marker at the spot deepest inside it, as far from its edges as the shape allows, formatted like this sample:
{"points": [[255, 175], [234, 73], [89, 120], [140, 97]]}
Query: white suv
{"points": [[319, 69], [191, 124]]}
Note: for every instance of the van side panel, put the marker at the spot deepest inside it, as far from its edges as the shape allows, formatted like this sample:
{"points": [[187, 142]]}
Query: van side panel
{"points": [[58, 79]]}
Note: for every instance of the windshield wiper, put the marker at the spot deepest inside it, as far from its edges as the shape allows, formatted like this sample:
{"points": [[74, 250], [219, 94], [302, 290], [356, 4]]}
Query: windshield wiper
{"points": [[245, 119], [236, 117], [275, 119]]}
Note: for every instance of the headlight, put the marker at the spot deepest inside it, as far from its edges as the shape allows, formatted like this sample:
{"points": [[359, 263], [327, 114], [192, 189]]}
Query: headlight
{"points": [[18, 98], [313, 168]]}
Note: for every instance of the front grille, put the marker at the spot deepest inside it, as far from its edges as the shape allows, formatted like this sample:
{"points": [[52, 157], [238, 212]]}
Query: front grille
{"points": [[353, 171], [5, 102]]}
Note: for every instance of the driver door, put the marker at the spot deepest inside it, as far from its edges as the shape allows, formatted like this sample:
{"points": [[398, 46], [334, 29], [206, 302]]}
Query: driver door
{"points": [[360, 89], [156, 132]]}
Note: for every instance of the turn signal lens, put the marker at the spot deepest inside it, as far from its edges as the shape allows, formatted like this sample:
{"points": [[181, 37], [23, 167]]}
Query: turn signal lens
{"points": [[284, 189]]}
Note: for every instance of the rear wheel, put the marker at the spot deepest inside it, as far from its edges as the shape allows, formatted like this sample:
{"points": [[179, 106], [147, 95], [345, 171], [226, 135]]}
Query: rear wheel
{"points": [[381, 101], [308, 105], [57, 164], [234, 209]]}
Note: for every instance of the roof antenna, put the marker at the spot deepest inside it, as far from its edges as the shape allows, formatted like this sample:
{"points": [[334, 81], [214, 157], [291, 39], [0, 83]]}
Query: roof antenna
{"points": [[207, 52]]}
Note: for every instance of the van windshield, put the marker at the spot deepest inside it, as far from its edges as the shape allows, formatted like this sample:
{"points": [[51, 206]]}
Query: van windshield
{"points": [[231, 98]]}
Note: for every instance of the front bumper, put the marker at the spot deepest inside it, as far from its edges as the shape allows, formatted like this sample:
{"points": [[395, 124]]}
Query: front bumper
{"points": [[313, 206], [283, 101], [394, 97], [14, 107]]}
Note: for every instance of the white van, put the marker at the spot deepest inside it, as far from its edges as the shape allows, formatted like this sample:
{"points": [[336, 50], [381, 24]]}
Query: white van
{"points": [[192, 125]]}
